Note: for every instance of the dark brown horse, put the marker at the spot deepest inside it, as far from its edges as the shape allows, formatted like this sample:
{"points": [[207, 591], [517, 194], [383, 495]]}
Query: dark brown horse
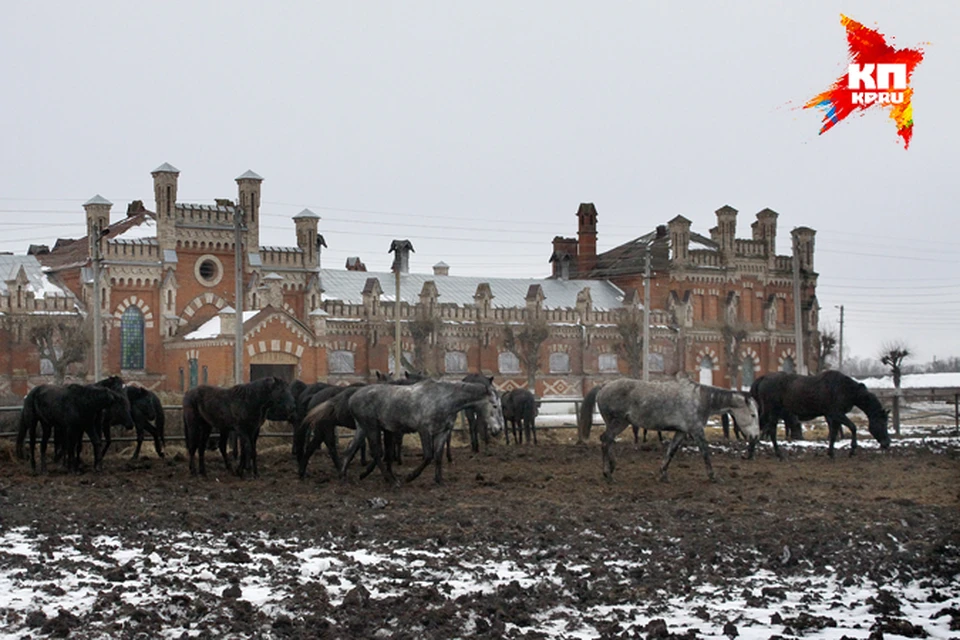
{"points": [[794, 398], [69, 411], [241, 409]]}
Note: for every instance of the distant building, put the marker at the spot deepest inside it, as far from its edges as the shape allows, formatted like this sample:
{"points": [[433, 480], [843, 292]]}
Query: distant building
{"points": [[728, 300], [169, 308]]}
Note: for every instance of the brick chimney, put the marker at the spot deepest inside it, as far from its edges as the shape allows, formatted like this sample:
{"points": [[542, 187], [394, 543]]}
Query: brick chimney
{"points": [[586, 238], [441, 269]]}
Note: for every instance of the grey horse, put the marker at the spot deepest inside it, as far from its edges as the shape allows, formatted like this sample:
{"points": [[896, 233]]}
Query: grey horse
{"points": [[671, 405], [428, 408]]}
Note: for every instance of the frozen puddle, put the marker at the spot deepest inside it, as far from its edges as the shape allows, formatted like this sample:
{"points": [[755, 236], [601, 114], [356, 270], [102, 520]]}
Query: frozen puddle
{"points": [[103, 573]]}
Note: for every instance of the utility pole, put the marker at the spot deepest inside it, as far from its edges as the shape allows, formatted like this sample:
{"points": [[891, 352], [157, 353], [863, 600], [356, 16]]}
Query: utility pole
{"points": [[797, 319], [840, 364], [97, 331], [238, 229], [401, 258], [646, 317]]}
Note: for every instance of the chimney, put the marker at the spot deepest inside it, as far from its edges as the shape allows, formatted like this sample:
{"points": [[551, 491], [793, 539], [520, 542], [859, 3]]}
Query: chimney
{"points": [[355, 264], [441, 269], [401, 259], [586, 238], [564, 257]]}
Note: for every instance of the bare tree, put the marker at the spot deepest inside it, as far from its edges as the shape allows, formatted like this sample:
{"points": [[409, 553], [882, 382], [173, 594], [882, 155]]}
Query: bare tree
{"points": [[526, 346], [424, 358], [62, 342], [893, 354], [733, 337], [630, 345], [828, 348]]}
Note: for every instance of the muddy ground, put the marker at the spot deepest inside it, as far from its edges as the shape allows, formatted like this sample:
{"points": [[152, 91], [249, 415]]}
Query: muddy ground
{"points": [[888, 518]]}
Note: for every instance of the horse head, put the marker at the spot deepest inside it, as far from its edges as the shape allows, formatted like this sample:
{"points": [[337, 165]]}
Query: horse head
{"points": [[747, 416], [118, 410], [878, 427], [494, 418], [280, 402]]}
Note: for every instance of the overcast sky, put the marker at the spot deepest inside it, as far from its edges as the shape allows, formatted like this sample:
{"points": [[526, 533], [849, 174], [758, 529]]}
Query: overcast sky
{"points": [[475, 129]]}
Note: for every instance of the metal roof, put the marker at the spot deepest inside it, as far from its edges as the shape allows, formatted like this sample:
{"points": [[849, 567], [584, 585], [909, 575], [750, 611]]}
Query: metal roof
{"points": [[248, 175], [306, 213], [347, 286], [98, 199], [166, 167], [37, 281]]}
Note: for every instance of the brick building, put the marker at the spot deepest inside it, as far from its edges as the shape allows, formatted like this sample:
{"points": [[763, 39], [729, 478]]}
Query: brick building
{"points": [[168, 302], [728, 300]]}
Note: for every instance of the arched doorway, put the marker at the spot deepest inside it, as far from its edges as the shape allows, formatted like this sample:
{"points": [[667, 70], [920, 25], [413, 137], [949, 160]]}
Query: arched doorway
{"points": [[706, 370]]}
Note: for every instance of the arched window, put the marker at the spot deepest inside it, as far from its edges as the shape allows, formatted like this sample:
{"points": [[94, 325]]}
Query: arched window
{"points": [[131, 339], [559, 362], [405, 356], [342, 362], [455, 362], [746, 373], [788, 365], [656, 362], [608, 363], [706, 370], [194, 368], [508, 362]]}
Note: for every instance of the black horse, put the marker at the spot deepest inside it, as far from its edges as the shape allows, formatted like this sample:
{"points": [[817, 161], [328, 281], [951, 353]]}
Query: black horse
{"points": [[242, 408], [477, 428], [794, 398], [520, 410], [69, 411], [302, 394], [148, 417]]}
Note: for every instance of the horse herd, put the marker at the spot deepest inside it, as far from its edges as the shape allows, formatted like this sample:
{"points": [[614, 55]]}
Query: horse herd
{"points": [[381, 413]]}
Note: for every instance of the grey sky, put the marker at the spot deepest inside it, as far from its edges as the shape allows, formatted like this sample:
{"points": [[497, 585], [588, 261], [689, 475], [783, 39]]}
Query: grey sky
{"points": [[475, 129]]}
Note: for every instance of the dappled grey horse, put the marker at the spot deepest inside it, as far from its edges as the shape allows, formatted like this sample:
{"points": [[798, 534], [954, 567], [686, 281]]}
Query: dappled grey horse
{"points": [[428, 408], [670, 405]]}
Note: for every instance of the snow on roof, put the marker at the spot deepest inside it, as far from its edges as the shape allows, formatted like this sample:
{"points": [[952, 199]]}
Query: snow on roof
{"points": [[166, 167], [915, 381], [306, 213], [211, 328], [37, 281], [347, 286], [142, 231], [98, 199], [249, 175]]}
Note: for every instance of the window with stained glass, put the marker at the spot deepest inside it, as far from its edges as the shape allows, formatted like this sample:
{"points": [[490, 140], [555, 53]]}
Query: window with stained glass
{"points": [[131, 339]]}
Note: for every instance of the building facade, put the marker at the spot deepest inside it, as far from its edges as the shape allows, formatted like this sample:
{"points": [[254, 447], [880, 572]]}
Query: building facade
{"points": [[728, 301], [168, 303]]}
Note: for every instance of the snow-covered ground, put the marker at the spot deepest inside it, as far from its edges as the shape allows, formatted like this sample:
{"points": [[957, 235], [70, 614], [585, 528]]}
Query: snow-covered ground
{"points": [[104, 573]]}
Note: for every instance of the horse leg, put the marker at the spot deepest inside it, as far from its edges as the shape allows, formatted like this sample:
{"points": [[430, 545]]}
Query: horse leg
{"points": [[533, 430], [701, 441], [834, 430], [725, 423], [636, 435], [426, 444], [136, 452], [474, 436], [853, 431], [222, 445], [44, 438], [358, 437], [98, 449], [376, 452], [438, 445], [671, 450], [607, 439]]}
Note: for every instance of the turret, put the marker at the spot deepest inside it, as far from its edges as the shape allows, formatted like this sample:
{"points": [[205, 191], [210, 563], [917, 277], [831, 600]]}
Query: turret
{"points": [[765, 228], [727, 232], [307, 237], [98, 219], [248, 186], [679, 229], [803, 238], [165, 178]]}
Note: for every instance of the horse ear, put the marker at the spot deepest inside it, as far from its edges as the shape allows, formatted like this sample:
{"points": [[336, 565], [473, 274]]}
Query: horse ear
{"points": [[491, 379]]}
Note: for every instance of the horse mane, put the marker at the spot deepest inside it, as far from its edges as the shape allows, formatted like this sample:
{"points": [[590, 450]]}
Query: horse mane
{"points": [[869, 403]]}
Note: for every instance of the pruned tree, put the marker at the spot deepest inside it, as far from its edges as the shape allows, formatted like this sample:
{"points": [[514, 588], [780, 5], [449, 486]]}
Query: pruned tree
{"points": [[733, 337], [893, 354], [420, 331], [826, 349], [61, 342], [630, 345], [525, 344]]}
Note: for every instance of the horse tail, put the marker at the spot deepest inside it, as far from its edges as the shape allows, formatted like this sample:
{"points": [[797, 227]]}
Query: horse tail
{"points": [[323, 412], [28, 420], [585, 419]]}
